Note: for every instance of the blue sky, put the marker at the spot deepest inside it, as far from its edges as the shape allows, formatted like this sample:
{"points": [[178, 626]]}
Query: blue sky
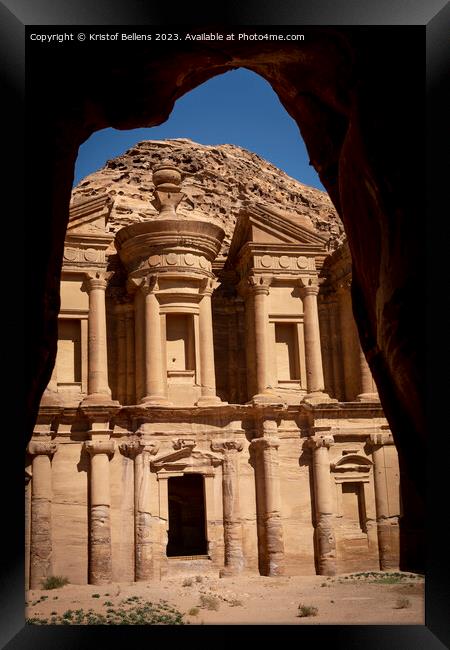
{"points": [[238, 107]]}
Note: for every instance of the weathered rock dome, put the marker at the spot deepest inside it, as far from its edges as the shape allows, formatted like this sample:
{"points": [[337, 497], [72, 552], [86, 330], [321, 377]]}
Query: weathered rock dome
{"points": [[217, 181]]}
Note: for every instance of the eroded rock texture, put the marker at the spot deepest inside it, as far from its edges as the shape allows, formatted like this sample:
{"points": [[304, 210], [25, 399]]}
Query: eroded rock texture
{"points": [[354, 98], [217, 180]]}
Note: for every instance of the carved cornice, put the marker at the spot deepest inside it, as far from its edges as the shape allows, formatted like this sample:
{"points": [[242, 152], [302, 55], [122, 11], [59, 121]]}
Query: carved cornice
{"points": [[283, 263], [100, 447], [36, 448]]}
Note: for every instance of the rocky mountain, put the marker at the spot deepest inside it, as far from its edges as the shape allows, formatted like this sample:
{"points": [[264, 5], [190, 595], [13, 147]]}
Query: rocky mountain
{"points": [[217, 180]]}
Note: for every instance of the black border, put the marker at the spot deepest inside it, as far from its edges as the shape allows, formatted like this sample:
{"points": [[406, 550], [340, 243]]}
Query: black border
{"points": [[14, 15]]}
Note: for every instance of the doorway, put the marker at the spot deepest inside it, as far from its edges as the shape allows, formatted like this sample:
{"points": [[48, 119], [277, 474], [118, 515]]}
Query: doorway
{"points": [[187, 523]]}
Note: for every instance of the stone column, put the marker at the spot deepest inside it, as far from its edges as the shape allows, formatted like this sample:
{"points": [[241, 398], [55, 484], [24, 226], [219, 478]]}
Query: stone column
{"points": [[141, 454], [234, 555], [129, 343], [324, 529], [41, 507], [27, 525], [206, 344], [350, 342], [155, 381], [139, 343], [121, 354], [387, 525], [336, 352], [100, 568], [98, 387], [260, 287], [325, 331], [266, 461], [313, 352], [368, 389]]}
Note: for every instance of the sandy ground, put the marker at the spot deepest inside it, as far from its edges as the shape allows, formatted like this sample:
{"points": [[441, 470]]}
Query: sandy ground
{"points": [[254, 600]]}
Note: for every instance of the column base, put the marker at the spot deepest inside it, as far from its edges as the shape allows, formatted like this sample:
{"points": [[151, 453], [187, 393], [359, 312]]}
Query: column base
{"points": [[99, 399], [367, 397], [209, 400], [318, 397], [266, 397], [229, 572], [155, 400]]}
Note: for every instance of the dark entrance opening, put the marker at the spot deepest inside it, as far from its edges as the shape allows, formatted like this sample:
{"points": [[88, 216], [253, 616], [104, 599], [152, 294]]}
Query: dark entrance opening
{"points": [[187, 525]]}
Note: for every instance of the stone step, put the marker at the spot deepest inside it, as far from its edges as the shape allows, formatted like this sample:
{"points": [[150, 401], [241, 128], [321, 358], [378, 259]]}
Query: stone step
{"points": [[190, 565]]}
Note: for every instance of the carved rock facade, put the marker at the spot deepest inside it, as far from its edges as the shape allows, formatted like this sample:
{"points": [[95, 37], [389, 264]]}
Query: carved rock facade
{"points": [[210, 408]]}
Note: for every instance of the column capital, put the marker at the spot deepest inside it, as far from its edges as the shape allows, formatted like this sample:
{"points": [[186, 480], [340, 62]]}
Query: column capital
{"points": [[259, 284], [208, 286], [36, 448], [265, 443], [94, 447], [149, 284], [96, 279], [380, 438], [133, 448], [309, 286], [227, 446], [183, 443], [319, 440]]}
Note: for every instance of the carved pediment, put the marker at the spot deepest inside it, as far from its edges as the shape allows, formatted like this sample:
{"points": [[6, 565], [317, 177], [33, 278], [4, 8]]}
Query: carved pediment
{"points": [[352, 463], [89, 216], [262, 224], [185, 457]]}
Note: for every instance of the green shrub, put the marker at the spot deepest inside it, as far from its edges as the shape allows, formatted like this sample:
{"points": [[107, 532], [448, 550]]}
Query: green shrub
{"points": [[146, 613], [54, 582]]}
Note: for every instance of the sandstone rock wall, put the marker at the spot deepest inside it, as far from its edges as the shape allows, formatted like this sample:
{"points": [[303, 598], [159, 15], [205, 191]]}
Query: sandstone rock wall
{"points": [[217, 180]]}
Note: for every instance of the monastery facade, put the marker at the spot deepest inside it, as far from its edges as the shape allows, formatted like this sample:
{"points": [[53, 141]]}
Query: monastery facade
{"points": [[207, 414]]}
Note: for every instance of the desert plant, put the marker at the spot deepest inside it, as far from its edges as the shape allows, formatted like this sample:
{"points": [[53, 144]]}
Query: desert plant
{"points": [[143, 614], [193, 611], [402, 603], [188, 582], [235, 602], [198, 578], [306, 610], [209, 602], [54, 582]]}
